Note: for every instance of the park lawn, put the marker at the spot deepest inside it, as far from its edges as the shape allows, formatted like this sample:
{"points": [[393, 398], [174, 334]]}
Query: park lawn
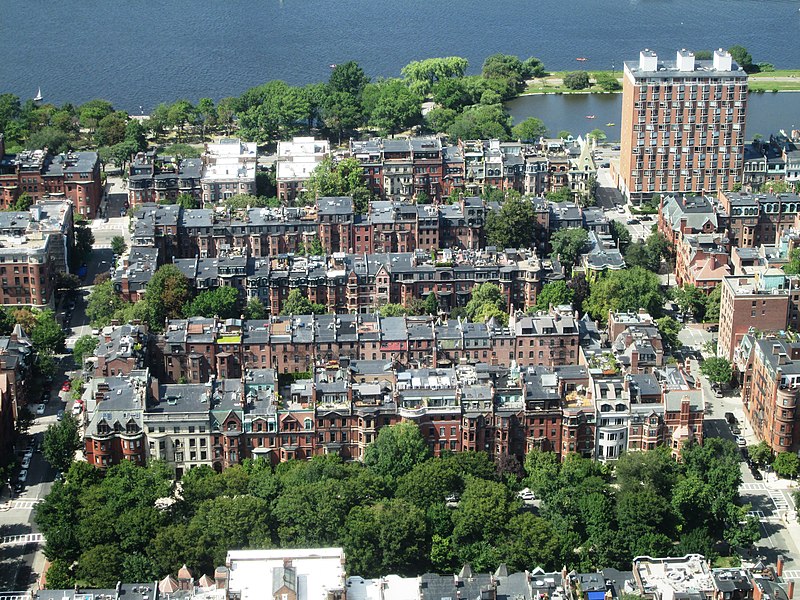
{"points": [[552, 83], [773, 86], [778, 73]]}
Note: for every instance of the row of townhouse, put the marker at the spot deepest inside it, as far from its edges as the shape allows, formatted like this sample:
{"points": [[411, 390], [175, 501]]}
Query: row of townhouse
{"points": [[34, 249], [768, 366], [72, 176], [16, 358], [198, 348], [735, 234], [305, 573], [405, 168], [393, 169], [775, 159], [389, 226], [362, 283], [226, 168], [341, 406], [747, 220]]}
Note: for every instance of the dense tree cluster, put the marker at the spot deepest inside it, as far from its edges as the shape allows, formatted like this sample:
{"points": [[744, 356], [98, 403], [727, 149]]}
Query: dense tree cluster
{"points": [[401, 511], [347, 102]]}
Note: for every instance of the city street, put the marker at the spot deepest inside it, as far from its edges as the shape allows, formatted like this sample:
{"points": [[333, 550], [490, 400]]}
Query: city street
{"points": [[770, 499], [21, 563]]}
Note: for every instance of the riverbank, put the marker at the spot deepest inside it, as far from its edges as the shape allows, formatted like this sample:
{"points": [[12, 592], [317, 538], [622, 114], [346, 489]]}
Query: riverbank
{"points": [[783, 80]]}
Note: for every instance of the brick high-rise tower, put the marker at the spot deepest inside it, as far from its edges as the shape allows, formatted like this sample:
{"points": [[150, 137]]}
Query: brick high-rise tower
{"points": [[682, 125]]}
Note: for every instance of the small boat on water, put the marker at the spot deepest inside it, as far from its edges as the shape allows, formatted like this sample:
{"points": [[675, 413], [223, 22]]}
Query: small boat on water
{"points": [[590, 116], [610, 124], [582, 59], [38, 97], [332, 66]]}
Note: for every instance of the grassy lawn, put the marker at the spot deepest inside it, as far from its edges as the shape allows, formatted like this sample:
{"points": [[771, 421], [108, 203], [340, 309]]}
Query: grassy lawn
{"points": [[777, 73], [772, 86], [770, 81], [726, 562], [552, 83]]}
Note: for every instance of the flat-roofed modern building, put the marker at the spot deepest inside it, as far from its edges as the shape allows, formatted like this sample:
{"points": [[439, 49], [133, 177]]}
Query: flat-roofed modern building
{"points": [[229, 168], [683, 122]]}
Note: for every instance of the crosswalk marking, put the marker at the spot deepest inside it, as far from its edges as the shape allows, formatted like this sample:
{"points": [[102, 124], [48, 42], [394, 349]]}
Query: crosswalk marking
{"points": [[791, 574], [756, 513], [17, 595], [20, 540], [754, 487], [779, 500], [25, 503]]}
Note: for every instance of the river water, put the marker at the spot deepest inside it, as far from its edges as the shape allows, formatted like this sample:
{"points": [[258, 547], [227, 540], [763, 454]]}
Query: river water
{"points": [[138, 53], [766, 113]]}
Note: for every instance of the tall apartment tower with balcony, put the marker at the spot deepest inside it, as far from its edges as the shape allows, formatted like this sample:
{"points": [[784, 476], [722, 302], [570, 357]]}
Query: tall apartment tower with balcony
{"points": [[682, 125]]}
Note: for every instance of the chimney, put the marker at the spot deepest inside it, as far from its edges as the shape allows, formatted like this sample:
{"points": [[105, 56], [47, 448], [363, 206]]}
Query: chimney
{"points": [[221, 578], [790, 591], [779, 570]]}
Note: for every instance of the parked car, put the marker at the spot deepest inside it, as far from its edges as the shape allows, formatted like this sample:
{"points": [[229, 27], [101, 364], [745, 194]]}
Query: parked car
{"points": [[527, 495], [632, 221], [756, 474], [740, 441], [46, 397], [95, 332], [66, 387], [735, 430], [620, 208], [60, 415], [717, 392], [18, 487], [23, 476], [615, 147], [26, 462], [40, 408], [77, 409]]}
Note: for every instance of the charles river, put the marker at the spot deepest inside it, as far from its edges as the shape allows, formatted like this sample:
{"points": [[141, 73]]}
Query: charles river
{"points": [[138, 53]]}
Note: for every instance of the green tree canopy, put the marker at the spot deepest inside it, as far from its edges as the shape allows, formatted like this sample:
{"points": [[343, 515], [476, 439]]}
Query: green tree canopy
{"points": [[47, 335], [786, 464], [424, 74], [342, 178], [396, 108], [255, 309], [529, 130], [554, 293], [669, 328], [626, 290], [481, 122], [222, 302], [761, 453], [396, 450], [568, 245], [717, 369], [576, 80], [514, 225], [690, 300], [166, 294], [61, 440], [485, 297], [118, 245], [620, 235], [84, 348], [742, 58], [297, 303], [103, 302]]}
